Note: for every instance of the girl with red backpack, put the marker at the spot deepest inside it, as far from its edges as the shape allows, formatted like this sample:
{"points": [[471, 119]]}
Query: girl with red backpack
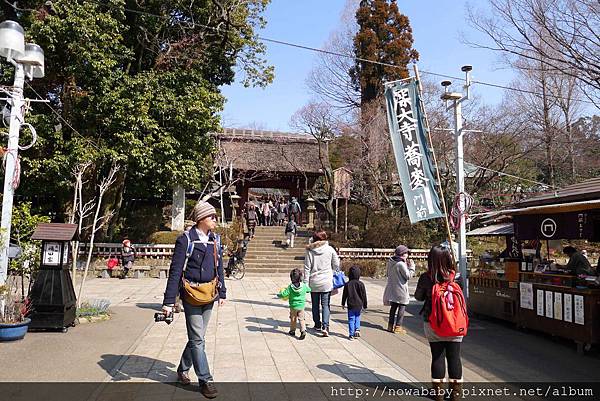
{"points": [[445, 319]]}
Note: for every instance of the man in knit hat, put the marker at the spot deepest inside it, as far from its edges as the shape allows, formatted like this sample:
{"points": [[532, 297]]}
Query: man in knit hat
{"points": [[200, 268]]}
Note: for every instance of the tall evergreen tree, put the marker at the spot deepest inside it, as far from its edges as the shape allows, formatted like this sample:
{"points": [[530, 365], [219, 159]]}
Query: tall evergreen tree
{"points": [[384, 35]]}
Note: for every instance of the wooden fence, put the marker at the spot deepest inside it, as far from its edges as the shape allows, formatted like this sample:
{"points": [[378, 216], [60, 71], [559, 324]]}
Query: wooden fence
{"points": [[165, 251]]}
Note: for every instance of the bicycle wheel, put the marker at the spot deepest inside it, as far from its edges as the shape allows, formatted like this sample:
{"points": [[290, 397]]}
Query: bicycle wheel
{"points": [[238, 270]]}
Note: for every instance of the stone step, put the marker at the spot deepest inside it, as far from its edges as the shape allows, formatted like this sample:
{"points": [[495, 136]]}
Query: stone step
{"points": [[263, 272], [269, 262], [274, 256], [280, 265]]}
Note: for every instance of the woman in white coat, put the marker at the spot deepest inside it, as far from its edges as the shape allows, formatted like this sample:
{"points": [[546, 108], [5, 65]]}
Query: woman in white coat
{"points": [[319, 263], [399, 271]]}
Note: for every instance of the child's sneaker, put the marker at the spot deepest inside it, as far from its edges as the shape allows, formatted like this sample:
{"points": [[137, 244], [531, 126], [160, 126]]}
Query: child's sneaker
{"points": [[302, 335], [350, 338], [357, 334], [399, 330], [325, 332], [292, 333]]}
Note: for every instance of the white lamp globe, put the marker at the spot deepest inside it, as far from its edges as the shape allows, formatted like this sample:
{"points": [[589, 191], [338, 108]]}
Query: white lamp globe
{"points": [[12, 40]]}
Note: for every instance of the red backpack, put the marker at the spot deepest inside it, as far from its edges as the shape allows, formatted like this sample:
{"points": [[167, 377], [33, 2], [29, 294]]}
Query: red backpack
{"points": [[448, 309]]}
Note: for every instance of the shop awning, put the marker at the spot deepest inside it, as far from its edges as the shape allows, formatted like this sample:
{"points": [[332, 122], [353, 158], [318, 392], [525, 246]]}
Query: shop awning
{"points": [[494, 229]]}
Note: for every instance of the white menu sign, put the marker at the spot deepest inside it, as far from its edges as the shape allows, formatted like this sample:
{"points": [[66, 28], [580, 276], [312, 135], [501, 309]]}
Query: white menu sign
{"points": [[51, 253], [568, 301], [526, 295], [540, 302], [558, 308], [549, 304], [579, 311]]}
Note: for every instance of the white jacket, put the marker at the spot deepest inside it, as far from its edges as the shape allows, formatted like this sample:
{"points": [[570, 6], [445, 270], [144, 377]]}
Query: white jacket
{"points": [[319, 263]]}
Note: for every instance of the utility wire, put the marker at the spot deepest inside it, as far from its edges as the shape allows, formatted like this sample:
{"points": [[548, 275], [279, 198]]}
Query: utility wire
{"points": [[62, 119], [349, 56], [329, 52], [514, 176]]}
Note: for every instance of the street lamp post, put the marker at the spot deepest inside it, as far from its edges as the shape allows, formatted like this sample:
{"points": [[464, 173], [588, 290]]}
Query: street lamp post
{"points": [[28, 60], [457, 99]]}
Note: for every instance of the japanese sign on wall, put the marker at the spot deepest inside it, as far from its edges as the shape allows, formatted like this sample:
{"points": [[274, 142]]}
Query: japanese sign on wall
{"points": [[549, 304], [558, 307], [406, 121], [526, 291], [579, 309], [568, 301], [540, 302]]}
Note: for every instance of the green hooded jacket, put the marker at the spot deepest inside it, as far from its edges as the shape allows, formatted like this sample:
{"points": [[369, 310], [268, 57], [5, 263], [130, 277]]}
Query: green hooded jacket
{"points": [[296, 295]]}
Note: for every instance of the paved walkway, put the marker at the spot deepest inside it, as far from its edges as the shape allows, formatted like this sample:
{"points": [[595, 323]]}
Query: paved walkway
{"points": [[246, 340]]}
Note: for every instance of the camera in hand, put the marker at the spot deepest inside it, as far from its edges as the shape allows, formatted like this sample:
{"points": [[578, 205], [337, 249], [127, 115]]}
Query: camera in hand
{"points": [[161, 317]]}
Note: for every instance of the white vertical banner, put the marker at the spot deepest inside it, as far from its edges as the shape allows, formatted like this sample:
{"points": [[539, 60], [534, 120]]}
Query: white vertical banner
{"points": [[540, 302], [568, 301]]}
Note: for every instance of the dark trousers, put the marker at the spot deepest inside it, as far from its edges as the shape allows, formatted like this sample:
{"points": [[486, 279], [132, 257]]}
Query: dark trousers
{"points": [[450, 351], [396, 314]]}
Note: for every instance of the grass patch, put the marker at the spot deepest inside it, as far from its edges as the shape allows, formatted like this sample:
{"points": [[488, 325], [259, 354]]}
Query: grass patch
{"points": [[96, 307]]}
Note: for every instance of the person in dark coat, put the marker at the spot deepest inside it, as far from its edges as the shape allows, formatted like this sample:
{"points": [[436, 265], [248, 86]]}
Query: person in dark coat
{"points": [[127, 257], [200, 268], [355, 295]]}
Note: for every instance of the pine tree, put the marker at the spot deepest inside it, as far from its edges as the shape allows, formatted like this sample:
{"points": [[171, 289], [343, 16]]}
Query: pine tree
{"points": [[384, 35]]}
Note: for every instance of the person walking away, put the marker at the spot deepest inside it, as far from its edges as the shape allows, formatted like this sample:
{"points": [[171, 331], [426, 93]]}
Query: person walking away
{"points": [[266, 211], [197, 259], [273, 214], [441, 274], [356, 295], [295, 210], [127, 257], [296, 295], [259, 209], [399, 271], [290, 232], [281, 211], [320, 261], [251, 219]]}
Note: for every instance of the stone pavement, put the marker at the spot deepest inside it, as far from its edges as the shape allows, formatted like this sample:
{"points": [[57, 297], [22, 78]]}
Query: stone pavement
{"points": [[246, 340]]}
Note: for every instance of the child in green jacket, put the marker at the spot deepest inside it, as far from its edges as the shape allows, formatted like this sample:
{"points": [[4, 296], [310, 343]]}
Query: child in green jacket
{"points": [[296, 294]]}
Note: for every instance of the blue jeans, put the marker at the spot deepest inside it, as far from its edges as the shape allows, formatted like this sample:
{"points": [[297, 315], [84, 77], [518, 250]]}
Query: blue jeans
{"points": [[353, 321], [323, 299], [196, 322]]}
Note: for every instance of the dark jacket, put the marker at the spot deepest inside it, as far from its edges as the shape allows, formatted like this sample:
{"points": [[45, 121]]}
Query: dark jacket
{"points": [[127, 256], [200, 267], [354, 291], [423, 292]]}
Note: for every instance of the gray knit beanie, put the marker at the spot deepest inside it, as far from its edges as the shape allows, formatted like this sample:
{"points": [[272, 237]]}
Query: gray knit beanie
{"points": [[202, 210]]}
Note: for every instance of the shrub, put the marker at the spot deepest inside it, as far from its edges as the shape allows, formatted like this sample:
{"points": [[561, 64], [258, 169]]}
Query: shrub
{"points": [[164, 237], [368, 267]]}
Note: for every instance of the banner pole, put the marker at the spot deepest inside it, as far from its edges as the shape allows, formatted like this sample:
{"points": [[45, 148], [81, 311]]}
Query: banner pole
{"points": [[437, 170]]}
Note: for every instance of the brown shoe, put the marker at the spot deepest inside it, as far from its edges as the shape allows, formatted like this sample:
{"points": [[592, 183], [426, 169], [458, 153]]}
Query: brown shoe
{"points": [[209, 390], [183, 378], [399, 330]]}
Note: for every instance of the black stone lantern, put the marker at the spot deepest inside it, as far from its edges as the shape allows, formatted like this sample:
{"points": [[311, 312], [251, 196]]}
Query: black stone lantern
{"points": [[52, 295]]}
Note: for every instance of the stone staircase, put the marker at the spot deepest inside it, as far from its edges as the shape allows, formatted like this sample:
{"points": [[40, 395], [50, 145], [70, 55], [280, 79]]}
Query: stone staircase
{"points": [[267, 252]]}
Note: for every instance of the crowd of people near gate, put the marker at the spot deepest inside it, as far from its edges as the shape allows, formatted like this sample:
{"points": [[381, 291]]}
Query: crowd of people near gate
{"points": [[272, 211]]}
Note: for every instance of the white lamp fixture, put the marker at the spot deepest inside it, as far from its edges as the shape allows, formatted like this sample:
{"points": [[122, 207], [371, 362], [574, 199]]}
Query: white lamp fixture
{"points": [[12, 40], [33, 60]]}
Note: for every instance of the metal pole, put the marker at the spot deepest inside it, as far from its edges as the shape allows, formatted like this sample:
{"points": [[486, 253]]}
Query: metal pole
{"points": [[460, 189], [16, 119], [336, 213], [346, 221]]}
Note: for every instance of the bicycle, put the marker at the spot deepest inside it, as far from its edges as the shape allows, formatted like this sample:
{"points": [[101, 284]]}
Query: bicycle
{"points": [[235, 266]]}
